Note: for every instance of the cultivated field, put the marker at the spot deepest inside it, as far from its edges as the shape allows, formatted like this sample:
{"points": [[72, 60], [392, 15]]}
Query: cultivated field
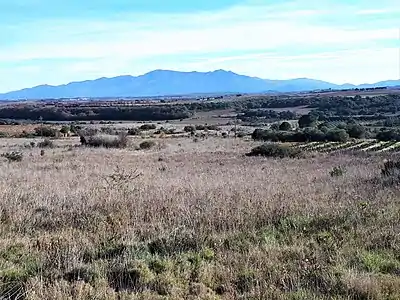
{"points": [[356, 146], [196, 219]]}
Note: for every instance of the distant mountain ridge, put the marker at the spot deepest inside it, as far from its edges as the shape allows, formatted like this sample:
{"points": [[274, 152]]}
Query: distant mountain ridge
{"points": [[165, 83]]}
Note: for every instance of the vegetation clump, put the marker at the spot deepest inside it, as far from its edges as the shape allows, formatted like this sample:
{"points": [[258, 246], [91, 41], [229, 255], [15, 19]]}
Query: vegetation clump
{"points": [[391, 172], [147, 145], [134, 131], [275, 150], [121, 141], [46, 143], [337, 171], [13, 156], [285, 126], [46, 131], [189, 128], [305, 135], [148, 127]]}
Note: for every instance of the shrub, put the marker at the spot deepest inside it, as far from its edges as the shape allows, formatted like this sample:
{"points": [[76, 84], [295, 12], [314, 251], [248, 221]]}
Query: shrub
{"points": [[391, 168], [307, 121], [169, 131], [337, 171], [105, 141], [356, 131], [189, 128], [88, 131], [13, 156], [201, 127], [46, 131], [75, 128], [108, 130], [65, 129], [213, 127], [46, 143], [337, 135], [285, 126], [388, 135], [391, 172], [148, 127], [275, 127], [147, 145], [134, 131], [241, 134], [275, 150]]}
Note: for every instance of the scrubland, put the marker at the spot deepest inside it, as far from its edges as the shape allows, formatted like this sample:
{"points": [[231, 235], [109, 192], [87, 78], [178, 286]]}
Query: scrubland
{"points": [[195, 220]]}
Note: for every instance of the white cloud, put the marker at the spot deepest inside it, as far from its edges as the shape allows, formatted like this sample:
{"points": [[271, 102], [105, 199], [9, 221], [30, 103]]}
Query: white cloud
{"points": [[195, 41], [354, 66]]}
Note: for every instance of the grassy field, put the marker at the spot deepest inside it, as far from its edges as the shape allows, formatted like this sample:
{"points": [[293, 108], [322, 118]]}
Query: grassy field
{"points": [[195, 220]]}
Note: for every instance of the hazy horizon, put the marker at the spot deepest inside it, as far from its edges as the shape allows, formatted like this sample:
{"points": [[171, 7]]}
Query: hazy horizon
{"points": [[57, 43]]}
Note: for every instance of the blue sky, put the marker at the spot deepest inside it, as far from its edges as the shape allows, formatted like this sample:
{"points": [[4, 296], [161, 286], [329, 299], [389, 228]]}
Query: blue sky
{"points": [[55, 41]]}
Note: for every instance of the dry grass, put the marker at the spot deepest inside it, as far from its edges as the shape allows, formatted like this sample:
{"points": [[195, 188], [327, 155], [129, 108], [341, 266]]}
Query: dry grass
{"points": [[195, 221], [18, 129]]}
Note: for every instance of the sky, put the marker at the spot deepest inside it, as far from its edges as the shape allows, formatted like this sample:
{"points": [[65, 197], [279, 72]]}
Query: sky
{"points": [[56, 41]]}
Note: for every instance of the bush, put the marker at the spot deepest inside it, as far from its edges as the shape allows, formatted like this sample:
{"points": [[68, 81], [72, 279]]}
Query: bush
{"points": [[13, 156], [391, 168], [189, 128], [275, 150], [201, 127], [213, 127], [148, 127], [307, 121], [108, 131], [169, 131], [275, 127], [88, 131], [356, 131], [105, 141], [147, 145], [337, 135], [46, 143], [65, 129], [388, 135], [337, 171], [285, 126], [241, 134], [134, 131], [46, 131]]}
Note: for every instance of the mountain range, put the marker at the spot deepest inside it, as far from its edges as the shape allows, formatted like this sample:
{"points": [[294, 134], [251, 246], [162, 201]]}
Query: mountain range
{"points": [[168, 83]]}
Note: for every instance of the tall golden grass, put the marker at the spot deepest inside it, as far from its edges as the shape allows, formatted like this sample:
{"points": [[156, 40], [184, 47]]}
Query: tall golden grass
{"points": [[195, 221]]}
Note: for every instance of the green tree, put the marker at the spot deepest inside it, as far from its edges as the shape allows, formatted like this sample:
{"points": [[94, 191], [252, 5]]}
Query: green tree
{"points": [[338, 135], [307, 121], [65, 129], [356, 131]]}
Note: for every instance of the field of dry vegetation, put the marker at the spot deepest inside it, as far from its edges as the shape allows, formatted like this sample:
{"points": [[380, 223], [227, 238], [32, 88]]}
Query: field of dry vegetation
{"points": [[194, 220]]}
